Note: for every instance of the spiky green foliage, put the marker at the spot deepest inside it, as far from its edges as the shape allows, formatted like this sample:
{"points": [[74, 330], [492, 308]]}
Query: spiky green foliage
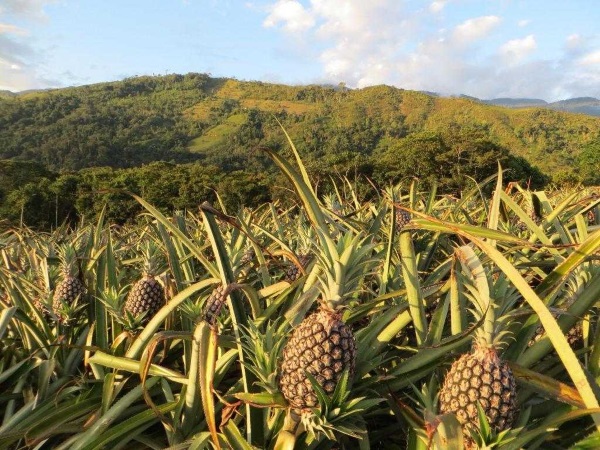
{"points": [[391, 310]]}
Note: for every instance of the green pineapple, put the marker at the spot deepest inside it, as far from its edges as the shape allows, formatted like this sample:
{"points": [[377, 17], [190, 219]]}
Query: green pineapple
{"points": [[480, 377], [147, 295], [323, 345], [70, 288]]}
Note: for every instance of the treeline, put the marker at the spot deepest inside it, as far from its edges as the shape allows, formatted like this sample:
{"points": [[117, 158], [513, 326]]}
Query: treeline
{"points": [[32, 195], [43, 199]]}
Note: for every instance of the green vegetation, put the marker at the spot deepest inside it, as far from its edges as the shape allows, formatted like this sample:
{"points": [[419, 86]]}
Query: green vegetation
{"points": [[209, 133], [392, 318]]}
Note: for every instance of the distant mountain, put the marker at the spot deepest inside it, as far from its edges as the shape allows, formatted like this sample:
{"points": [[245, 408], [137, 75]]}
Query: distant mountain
{"points": [[582, 105], [7, 93], [517, 102], [585, 105]]}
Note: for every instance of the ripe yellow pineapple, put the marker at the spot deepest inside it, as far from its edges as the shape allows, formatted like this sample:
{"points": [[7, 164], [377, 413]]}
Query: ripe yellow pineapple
{"points": [[323, 345], [70, 288], [480, 377], [147, 295]]}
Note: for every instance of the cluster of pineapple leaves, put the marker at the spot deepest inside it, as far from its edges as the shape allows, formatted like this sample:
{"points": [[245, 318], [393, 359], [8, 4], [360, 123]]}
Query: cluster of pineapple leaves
{"points": [[96, 381]]}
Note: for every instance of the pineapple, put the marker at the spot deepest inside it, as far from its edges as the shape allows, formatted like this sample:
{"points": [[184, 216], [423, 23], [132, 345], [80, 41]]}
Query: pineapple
{"points": [[591, 217], [147, 295], [214, 303], [403, 218], [70, 288], [293, 272], [480, 377], [248, 256], [323, 345], [574, 335], [533, 209]]}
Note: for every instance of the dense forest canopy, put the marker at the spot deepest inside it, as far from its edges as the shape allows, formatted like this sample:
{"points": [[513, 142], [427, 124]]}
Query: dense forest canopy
{"points": [[179, 139]]}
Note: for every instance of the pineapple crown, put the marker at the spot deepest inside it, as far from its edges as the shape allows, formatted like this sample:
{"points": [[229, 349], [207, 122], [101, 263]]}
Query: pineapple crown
{"points": [[152, 259], [478, 292], [344, 264], [332, 202], [68, 260]]}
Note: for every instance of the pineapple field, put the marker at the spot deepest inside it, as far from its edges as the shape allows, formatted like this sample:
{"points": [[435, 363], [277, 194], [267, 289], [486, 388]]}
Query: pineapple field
{"points": [[399, 318]]}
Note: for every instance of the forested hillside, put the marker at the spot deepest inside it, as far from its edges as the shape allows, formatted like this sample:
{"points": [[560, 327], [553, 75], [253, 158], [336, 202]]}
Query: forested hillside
{"points": [[217, 127]]}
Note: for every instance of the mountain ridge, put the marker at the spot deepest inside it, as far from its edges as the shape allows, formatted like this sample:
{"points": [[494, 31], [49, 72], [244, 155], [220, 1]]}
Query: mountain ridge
{"points": [[194, 117], [579, 105]]}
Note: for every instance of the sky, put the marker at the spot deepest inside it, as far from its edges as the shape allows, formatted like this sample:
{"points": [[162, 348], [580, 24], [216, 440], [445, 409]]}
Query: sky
{"points": [[546, 49]]}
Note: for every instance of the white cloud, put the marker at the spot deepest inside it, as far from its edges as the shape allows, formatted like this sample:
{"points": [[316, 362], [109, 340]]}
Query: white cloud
{"points": [[21, 63], [477, 28], [515, 50], [591, 59], [437, 6], [574, 41], [6, 28], [292, 14], [31, 9], [398, 43], [523, 23]]}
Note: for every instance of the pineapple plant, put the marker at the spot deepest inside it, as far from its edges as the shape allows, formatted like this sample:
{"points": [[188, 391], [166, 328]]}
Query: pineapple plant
{"points": [[532, 207], [480, 378], [322, 347], [147, 295], [70, 288]]}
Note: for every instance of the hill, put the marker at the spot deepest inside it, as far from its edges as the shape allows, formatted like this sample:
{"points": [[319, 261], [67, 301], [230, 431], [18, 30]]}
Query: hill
{"points": [[178, 139], [185, 118], [582, 105]]}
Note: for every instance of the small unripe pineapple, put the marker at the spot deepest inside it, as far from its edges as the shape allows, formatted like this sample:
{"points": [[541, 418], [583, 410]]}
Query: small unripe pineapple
{"points": [[213, 304], [293, 272], [403, 218]]}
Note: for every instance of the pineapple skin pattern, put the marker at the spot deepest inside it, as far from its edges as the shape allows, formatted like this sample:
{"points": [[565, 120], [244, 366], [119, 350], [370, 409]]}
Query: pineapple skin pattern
{"points": [[480, 377], [67, 291], [146, 296], [213, 305], [322, 346]]}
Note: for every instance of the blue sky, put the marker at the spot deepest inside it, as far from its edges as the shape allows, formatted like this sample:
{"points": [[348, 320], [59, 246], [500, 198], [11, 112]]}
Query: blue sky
{"points": [[484, 48]]}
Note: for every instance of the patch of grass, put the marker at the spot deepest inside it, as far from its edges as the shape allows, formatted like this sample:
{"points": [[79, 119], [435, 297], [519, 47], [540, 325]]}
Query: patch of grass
{"points": [[216, 135]]}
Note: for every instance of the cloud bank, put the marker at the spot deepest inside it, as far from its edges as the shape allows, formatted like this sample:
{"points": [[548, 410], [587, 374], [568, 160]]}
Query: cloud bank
{"points": [[20, 62], [391, 42]]}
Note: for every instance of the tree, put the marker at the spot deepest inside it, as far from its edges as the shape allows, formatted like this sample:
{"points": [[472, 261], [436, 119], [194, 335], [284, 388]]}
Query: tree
{"points": [[588, 163], [413, 156]]}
